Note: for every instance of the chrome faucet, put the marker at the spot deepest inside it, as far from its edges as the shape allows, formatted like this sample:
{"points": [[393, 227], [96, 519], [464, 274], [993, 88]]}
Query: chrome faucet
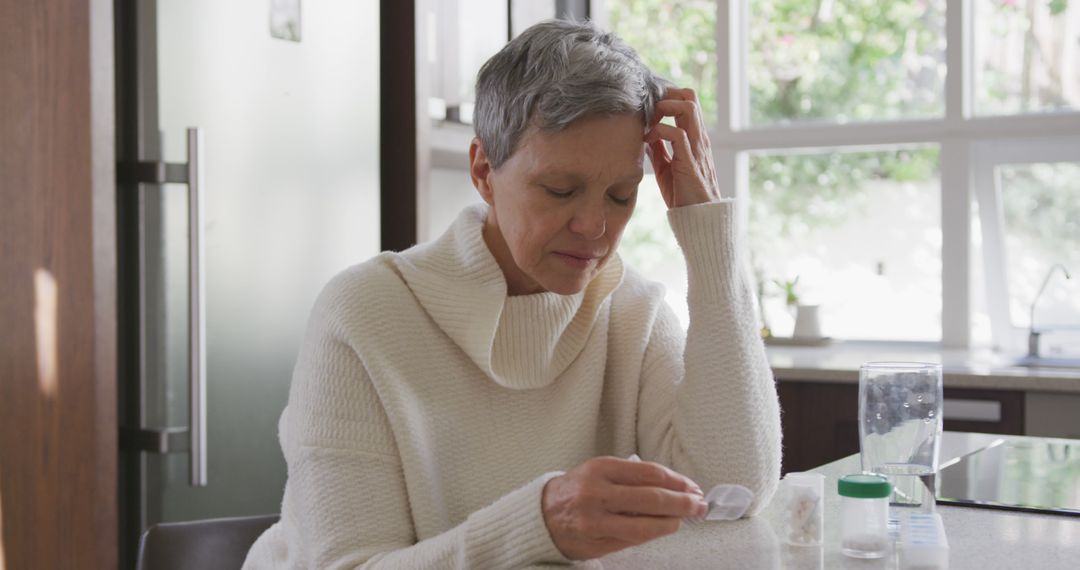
{"points": [[1033, 335]]}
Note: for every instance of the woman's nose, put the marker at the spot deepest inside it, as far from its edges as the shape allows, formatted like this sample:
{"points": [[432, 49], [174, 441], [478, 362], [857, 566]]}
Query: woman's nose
{"points": [[589, 222]]}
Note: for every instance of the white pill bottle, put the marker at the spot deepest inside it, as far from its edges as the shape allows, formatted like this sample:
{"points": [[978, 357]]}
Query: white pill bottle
{"points": [[804, 495]]}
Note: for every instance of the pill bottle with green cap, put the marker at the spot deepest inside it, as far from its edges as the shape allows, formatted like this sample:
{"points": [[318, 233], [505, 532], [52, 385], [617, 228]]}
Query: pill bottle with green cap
{"points": [[864, 515]]}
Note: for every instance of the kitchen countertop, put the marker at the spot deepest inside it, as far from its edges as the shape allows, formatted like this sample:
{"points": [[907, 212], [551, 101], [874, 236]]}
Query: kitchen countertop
{"points": [[839, 363], [978, 538]]}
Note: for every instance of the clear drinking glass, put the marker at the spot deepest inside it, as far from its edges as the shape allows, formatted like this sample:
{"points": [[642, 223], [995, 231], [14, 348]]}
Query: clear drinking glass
{"points": [[900, 427]]}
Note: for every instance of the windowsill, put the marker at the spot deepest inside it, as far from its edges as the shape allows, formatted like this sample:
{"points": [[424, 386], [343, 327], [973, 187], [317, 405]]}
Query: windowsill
{"points": [[449, 143]]}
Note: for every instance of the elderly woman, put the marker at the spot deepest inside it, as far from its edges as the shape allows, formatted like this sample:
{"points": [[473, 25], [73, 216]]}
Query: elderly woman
{"points": [[470, 402]]}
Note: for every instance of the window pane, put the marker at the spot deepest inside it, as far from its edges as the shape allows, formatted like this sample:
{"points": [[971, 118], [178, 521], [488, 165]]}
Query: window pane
{"points": [[676, 38], [461, 36], [862, 233], [1041, 203], [525, 13], [482, 29], [982, 331], [1027, 56], [845, 60], [649, 246]]}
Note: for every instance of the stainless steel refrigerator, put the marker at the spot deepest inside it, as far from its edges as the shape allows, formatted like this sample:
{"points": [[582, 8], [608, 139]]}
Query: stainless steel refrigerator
{"points": [[248, 176]]}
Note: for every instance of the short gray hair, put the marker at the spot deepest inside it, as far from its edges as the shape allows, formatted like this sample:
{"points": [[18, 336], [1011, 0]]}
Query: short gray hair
{"points": [[553, 74]]}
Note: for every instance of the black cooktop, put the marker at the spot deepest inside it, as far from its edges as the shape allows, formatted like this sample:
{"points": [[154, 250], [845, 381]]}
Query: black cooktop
{"points": [[1034, 475]]}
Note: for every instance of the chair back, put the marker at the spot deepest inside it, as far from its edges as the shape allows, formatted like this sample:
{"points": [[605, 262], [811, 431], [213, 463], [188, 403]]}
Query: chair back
{"points": [[201, 545]]}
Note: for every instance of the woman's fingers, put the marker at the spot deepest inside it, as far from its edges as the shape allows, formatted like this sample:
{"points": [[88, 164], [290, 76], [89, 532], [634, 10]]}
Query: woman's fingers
{"points": [[687, 116], [656, 144], [647, 488], [607, 504], [684, 93], [661, 163], [654, 501], [687, 176], [659, 155], [684, 101], [680, 142], [647, 474]]}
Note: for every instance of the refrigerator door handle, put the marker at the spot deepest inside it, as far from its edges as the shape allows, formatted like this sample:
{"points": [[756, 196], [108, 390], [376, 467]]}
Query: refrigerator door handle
{"points": [[166, 440], [197, 305]]}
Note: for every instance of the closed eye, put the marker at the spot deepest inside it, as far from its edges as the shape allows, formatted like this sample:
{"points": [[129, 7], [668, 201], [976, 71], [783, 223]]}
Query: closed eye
{"points": [[623, 201], [558, 192]]}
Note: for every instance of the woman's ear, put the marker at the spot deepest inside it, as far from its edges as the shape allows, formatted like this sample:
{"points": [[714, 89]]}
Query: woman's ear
{"points": [[480, 170]]}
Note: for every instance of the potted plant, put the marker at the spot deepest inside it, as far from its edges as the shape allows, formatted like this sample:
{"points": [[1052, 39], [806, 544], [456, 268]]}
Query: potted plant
{"points": [[790, 292]]}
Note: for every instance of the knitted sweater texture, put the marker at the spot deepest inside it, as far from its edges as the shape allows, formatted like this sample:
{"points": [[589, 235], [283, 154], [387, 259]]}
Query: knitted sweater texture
{"points": [[428, 408]]}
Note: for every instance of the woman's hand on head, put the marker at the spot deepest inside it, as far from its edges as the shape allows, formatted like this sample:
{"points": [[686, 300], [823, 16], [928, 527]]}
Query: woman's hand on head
{"points": [[607, 504], [688, 176]]}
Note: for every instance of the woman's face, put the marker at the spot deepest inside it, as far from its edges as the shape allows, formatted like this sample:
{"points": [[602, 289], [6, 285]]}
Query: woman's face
{"points": [[560, 203]]}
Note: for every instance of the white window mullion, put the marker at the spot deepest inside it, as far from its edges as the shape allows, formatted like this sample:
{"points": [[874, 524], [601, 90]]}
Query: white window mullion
{"points": [[598, 13], [727, 172], [732, 88], [959, 56], [956, 181], [824, 135], [814, 135], [732, 166], [448, 38], [740, 165], [956, 169], [1051, 124], [992, 220]]}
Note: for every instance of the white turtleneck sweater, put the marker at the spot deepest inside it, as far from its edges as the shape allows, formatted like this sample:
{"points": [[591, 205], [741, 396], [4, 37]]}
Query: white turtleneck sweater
{"points": [[428, 408]]}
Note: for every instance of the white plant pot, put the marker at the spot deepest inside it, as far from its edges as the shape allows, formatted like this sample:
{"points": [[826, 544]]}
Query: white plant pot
{"points": [[807, 322]]}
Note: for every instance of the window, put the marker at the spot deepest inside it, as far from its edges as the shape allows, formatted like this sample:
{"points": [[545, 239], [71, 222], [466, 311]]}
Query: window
{"points": [[680, 39], [862, 233], [1028, 55], [858, 135], [461, 35], [845, 60], [648, 246], [1029, 201], [1041, 203]]}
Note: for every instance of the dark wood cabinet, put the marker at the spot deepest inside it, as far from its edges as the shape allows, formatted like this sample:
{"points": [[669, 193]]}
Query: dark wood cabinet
{"points": [[820, 419]]}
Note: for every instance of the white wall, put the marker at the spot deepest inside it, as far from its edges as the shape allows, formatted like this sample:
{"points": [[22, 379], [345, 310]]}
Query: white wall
{"points": [[451, 190]]}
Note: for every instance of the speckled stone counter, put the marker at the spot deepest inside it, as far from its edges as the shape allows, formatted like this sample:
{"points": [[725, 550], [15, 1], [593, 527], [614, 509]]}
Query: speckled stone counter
{"points": [[839, 362], [980, 539]]}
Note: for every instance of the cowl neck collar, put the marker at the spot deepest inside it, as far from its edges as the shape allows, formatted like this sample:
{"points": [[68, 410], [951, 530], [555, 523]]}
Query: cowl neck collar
{"points": [[520, 342]]}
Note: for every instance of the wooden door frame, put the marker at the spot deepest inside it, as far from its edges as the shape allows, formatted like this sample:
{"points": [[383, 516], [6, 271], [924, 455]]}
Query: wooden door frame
{"points": [[58, 434], [403, 155]]}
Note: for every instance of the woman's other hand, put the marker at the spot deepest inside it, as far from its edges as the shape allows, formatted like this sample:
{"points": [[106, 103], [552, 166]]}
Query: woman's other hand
{"points": [[607, 504], [688, 177]]}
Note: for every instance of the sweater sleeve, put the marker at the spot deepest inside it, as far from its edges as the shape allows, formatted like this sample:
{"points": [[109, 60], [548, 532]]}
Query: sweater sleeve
{"points": [[707, 405], [346, 503]]}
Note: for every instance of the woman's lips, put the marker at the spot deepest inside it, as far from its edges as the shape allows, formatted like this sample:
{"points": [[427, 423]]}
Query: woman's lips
{"points": [[576, 260]]}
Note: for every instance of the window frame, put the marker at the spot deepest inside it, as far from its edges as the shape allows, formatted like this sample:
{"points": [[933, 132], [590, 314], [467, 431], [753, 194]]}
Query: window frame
{"points": [[986, 157], [958, 134]]}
